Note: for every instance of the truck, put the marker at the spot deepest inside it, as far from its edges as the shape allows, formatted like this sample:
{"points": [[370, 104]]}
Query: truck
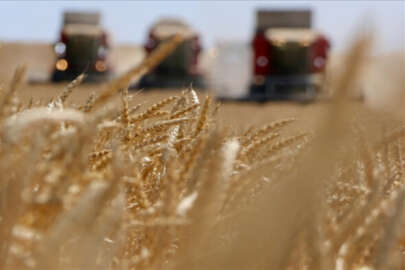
{"points": [[289, 57], [180, 68], [83, 47]]}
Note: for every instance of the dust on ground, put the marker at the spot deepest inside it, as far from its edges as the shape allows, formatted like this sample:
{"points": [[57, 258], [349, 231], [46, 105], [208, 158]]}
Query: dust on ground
{"points": [[381, 78], [40, 60]]}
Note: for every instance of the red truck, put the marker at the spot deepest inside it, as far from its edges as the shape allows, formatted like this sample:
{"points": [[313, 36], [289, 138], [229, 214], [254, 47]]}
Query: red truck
{"points": [[180, 68], [289, 58]]}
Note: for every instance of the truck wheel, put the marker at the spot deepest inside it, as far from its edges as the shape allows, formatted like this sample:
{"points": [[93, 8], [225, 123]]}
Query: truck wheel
{"points": [[57, 76]]}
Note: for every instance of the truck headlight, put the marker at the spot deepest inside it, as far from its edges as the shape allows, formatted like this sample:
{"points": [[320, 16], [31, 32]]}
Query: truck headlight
{"points": [[262, 61], [62, 64], [100, 66], [102, 51], [319, 62], [59, 48]]}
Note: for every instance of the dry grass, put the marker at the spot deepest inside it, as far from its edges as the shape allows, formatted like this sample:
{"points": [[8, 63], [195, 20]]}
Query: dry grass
{"points": [[106, 183]]}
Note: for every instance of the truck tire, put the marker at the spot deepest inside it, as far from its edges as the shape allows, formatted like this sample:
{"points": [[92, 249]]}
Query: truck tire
{"points": [[58, 76]]}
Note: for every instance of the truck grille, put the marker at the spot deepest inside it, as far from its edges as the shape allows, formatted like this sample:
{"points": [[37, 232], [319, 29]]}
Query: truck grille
{"points": [[178, 62], [82, 51], [290, 59]]}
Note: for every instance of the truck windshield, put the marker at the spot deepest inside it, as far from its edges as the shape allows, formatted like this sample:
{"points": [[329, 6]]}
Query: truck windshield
{"points": [[289, 58]]}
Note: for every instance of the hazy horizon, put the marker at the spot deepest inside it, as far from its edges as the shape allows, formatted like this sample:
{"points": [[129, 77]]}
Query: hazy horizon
{"points": [[128, 22]]}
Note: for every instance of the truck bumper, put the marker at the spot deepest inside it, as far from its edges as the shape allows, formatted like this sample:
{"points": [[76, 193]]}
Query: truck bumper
{"points": [[302, 88], [154, 80], [59, 76]]}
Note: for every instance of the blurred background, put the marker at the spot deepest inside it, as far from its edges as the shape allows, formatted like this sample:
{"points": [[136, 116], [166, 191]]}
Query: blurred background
{"points": [[215, 20], [225, 29]]}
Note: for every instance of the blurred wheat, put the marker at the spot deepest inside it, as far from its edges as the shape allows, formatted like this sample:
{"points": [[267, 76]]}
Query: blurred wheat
{"points": [[108, 187]]}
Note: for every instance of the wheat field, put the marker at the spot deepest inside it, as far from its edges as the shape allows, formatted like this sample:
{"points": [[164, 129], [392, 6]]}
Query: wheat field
{"points": [[99, 177]]}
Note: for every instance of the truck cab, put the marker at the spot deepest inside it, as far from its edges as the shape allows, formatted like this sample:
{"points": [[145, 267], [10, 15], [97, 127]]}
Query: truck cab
{"points": [[180, 68], [289, 58], [83, 46]]}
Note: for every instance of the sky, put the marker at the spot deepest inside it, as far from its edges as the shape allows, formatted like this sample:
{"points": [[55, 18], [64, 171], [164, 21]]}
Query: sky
{"points": [[128, 21]]}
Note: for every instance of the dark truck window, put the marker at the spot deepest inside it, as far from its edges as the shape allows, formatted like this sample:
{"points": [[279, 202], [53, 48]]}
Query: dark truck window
{"points": [[290, 58]]}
